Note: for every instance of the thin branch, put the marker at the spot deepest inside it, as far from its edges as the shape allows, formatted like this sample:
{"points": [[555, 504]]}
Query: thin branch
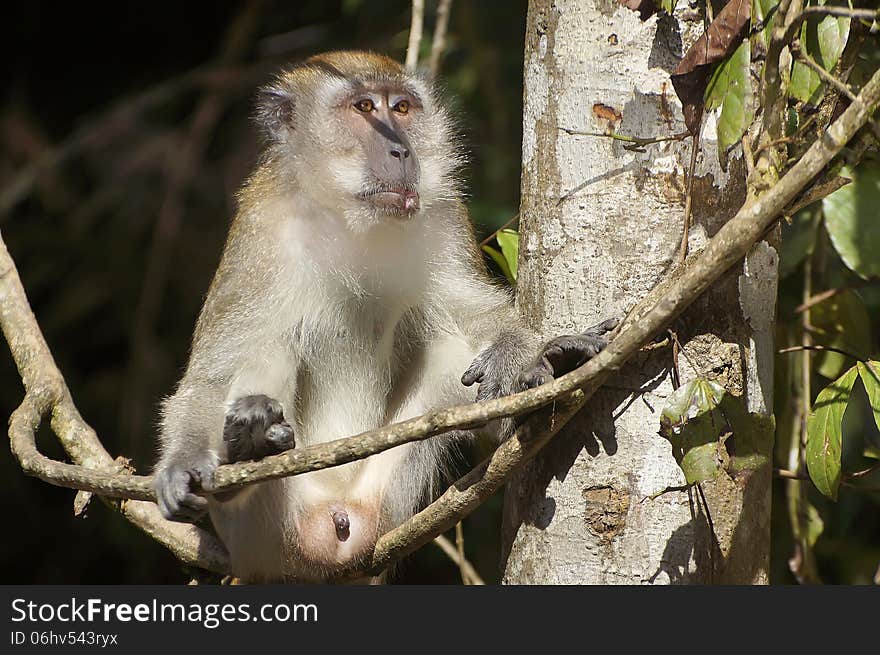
{"points": [[415, 35], [846, 479], [792, 26], [688, 202], [794, 349], [827, 77], [438, 44], [469, 574], [510, 221], [831, 293], [815, 192], [635, 143], [843, 12], [459, 545], [855, 475], [774, 97], [788, 139]]}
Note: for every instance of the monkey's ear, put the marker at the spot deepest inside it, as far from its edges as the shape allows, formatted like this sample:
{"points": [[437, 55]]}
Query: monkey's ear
{"points": [[274, 111]]}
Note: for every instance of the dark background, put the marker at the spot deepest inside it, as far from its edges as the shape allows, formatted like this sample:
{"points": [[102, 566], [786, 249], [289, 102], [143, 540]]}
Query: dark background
{"points": [[143, 110]]}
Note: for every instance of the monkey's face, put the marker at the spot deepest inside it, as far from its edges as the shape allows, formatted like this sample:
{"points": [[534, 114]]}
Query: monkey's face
{"points": [[362, 136], [378, 118]]}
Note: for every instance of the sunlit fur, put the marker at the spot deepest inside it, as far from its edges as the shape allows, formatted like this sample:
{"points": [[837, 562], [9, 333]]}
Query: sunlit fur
{"points": [[351, 318]]}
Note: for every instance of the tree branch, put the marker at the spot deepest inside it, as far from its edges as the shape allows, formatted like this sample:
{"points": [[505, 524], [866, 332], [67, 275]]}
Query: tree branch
{"points": [[438, 43], [415, 35], [469, 574], [46, 391]]}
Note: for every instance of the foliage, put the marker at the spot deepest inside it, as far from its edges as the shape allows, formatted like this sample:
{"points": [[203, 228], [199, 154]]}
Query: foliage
{"points": [[711, 432], [508, 241]]}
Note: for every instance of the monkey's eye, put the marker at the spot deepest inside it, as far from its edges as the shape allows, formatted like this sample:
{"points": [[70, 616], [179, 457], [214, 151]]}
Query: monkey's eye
{"points": [[402, 107], [366, 105]]}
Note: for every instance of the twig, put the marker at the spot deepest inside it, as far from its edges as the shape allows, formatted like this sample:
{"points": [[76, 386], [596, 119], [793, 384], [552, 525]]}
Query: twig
{"points": [[715, 545], [688, 201], [787, 139], [827, 77], [415, 35], [793, 25], [816, 192], [855, 475], [636, 143], [846, 479], [438, 43], [469, 574], [507, 224], [801, 348], [787, 14], [831, 293], [459, 544], [844, 12]]}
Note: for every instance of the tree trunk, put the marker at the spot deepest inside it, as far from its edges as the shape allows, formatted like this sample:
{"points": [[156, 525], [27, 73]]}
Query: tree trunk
{"points": [[600, 226]]}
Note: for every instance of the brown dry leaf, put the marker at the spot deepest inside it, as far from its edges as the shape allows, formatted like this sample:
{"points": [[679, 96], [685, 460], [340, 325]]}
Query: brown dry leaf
{"points": [[693, 71]]}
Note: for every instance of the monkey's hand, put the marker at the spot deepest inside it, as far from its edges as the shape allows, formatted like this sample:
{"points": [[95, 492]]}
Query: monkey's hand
{"points": [[176, 483], [255, 427], [495, 368], [564, 354]]}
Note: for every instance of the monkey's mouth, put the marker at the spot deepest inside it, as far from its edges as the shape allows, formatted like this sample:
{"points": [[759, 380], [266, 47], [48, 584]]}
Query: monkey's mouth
{"points": [[399, 201]]}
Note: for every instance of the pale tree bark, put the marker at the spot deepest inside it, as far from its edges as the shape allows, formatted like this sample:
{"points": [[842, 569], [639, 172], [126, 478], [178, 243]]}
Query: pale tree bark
{"points": [[600, 226]]}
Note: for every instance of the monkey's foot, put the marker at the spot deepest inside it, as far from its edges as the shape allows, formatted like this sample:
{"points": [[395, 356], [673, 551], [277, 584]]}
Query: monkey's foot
{"points": [[255, 427], [564, 354], [176, 483]]}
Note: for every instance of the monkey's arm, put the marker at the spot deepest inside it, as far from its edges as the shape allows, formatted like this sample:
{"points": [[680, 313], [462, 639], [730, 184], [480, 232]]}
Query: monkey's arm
{"points": [[510, 357], [226, 408]]}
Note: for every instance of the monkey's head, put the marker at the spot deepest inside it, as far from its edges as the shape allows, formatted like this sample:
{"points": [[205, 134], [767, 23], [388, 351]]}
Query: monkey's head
{"points": [[356, 132]]}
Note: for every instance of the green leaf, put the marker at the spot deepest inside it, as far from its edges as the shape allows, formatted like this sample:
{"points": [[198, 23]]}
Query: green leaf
{"points": [[751, 441], [730, 88], [509, 242], [824, 433], [499, 259], [869, 372], [814, 527], [710, 431], [668, 6], [852, 220], [824, 41], [840, 322]]}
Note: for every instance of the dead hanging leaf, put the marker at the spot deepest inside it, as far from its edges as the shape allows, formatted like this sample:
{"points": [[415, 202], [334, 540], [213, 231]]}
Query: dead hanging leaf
{"points": [[606, 116], [646, 8], [693, 71]]}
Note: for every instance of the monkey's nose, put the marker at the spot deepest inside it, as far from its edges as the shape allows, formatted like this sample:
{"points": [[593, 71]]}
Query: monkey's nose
{"points": [[342, 524], [397, 153]]}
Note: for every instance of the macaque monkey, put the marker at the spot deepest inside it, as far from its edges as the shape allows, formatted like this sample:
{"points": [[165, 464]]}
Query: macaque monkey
{"points": [[350, 295]]}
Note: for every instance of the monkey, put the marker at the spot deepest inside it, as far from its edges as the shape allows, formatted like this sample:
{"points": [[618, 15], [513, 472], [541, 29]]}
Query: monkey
{"points": [[350, 294]]}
